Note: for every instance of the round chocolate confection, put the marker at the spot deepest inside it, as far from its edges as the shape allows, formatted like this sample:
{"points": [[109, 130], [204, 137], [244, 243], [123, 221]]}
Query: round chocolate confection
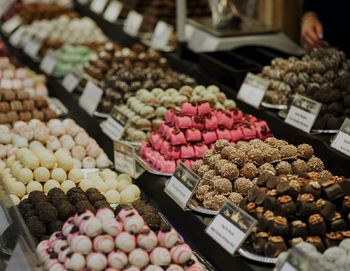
{"points": [[57, 198], [222, 186], [299, 166], [325, 175], [217, 202], [336, 109], [207, 154], [267, 167], [209, 175], [219, 164], [298, 229], [275, 246], [220, 144], [212, 160], [313, 188], [233, 155], [83, 206], [289, 152], [24, 202], [235, 197], [28, 213], [54, 226], [46, 211], [76, 197], [207, 199], [283, 168], [66, 210], [316, 241], [196, 165], [201, 191], [55, 193], [229, 171], [36, 227], [92, 191], [202, 170], [315, 164], [305, 151], [35, 197], [102, 204], [74, 190], [249, 170], [294, 241], [272, 155], [242, 185], [317, 226], [333, 239], [256, 156]]}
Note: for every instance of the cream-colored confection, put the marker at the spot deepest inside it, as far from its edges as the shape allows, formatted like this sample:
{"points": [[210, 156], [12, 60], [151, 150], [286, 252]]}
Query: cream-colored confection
{"points": [[41, 174], [24, 197], [15, 168], [54, 122], [53, 143], [123, 184], [77, 163], [100, 185], [102, 161], [93, 150], [57, 130], [108, 173], [34, 186], [47, 159], [111, 183], [89, 162], [11, 150], [59, 175], [68, 123], [5, 137], [16, 188], [35, 144], [112, 196], [78, 152], [75, 175], [10, 160], [127, 196], [19, 141], [42, 134], [25, 175], [51, 184], [135, 189], [27, 158], [67, 142], [3, 151], [64, 160], [124, 176], [15, 199], [73, 130], [85, 184], [66, 185], [82, 139], [2, 165]]}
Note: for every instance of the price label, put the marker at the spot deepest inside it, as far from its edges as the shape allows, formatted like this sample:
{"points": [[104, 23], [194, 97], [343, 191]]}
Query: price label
{"points": [[32, 47], [11, 24], [98, 6], [124, 158], [341, 141], [16, 37], [114, 126], [231, 227], [161, 35], [48, 63], [90, 98], [253, 90], [4, 6], [182, 185], [133, 23], [303, 113], [6, 83], [70, 82], [113, 11], [299, 261], [83, 2]]}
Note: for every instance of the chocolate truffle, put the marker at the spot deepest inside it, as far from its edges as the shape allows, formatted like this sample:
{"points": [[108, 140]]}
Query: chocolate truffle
{"points": [[258, 242], [326, 209], [274, 246], [235, 198], [272, 182], [222, 186], [332, 189], [46, 211], [54, 226], [234, 155], [213, 160], [202, 170], [285, 206], [289, 152], [305, 151], [242, 185], [256, 156], [220, 163], [219, 145], [283, 168], [74, 190], [270, 199], [102, 204], [196, 165], [306, 205], [229, 171], [65, 210], [249, 170], [313, 188], [316, 241], [263, 178], [35, 197], [279, 226], [267, 167], [209, 175], [272, 155], [217, 202], [315, 164], [267, 220], [294, 241], [298, 229], [333, 239], [36, 227], [317, 225], [338, 223], [83, 206], [299, 166], [76, 197], [346, 205], [96, 197]]}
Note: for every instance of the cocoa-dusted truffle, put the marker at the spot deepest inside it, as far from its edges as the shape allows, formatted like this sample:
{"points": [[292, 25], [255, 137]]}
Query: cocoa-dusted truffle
{"points": [[235, 198], [65, 210], [46, 211], [249, 170], [91, 191], [54, 226], [83, 206], [220, 144], [35, 197], [222, 186], [289, 152], [299, 166], [229, 171], [256, 156], [56, 196], [94, 197], [315, 164], [242, 185], [36, 227], [196, 165], [201, 191], [283, 168], [305, 151]]}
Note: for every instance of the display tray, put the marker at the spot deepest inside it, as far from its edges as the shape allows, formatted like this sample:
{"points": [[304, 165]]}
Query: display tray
{"points": [[194, 206], [58, 107], [148, 168], [274, 106], [256, 258]]}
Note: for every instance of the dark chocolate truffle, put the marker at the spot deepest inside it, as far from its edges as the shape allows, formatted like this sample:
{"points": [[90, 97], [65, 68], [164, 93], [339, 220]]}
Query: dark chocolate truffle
{"points": [[36, 197], [317, 225], [74, 190], [274, 246], [76, 197], [317, 242], [83, 206], [46, 211], [54, 226], [66, 210], [298, 229], [36, 227]]}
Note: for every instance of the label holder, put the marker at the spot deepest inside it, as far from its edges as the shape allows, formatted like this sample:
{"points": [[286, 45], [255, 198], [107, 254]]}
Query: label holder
{"points": [[90, 98], [341, 141], [133, 23]]}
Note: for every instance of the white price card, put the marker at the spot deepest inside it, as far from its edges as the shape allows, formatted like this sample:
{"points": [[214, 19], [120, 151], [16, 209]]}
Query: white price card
{"points": [[98, 6], [182, 185], [303, 113], [133, 23], [341, 141], [253, 90], [90, 98], [114, 126], [161, 35], [231, 227], [48, 63], [32, 47], [70, 82], [113, 11], [11, 24], [297, 260], [16, 37], [124, 158]]}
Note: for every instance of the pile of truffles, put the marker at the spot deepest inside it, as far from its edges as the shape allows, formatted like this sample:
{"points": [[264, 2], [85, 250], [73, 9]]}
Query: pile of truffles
{"points": [[53, 135], [145, 111], [229, 172], [334, 258], [186, 135], [314, 208], [45, 215], [120, 241], [336, 105], [315, 72], [18, 105]]}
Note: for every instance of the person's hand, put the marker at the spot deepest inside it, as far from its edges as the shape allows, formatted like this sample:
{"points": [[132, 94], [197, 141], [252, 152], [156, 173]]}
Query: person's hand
{"points": [[312, 31]]}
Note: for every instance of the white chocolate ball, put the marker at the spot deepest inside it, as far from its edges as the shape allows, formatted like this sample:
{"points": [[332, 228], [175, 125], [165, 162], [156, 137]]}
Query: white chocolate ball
{"points": [[136, 190], [112, 196], [41, 174], [127, 196], [108, 173], [51, 184], [58, 174], [25, 175], [101, 186], [75, 175], [34, 186], [17, 188], [85, 184], [15, 199], [77, 163], [111, 183], [124, 176], [123, 184], [66, 185]]}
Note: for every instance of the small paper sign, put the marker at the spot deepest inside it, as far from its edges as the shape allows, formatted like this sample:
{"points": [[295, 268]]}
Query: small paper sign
{"points": [[231, 227], [70, 82], [341, 141], [133, 23], [182, 185], [113, 11], [303, 113], [90, 98], [161, 35], [299, 261], [6, 83], [48, 63], [253, 90], [124, 158], [114, 126], [33, 46], [11, 24], [98, 6], [16, 37]]}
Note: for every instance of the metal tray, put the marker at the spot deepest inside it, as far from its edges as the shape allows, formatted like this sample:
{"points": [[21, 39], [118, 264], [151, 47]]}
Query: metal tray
{"points": [[274, 106], [147, 167], [256, 258], [58, 107], [193, 205]]}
